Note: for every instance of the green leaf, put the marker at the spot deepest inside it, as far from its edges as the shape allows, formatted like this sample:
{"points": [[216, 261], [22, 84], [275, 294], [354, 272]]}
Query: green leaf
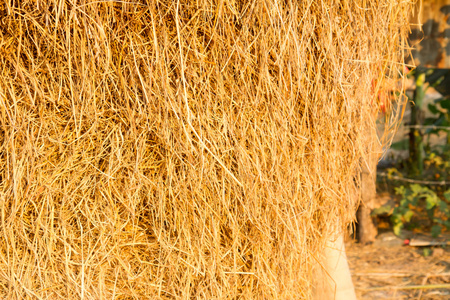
{"points": [[408, 215], [417, 188], [439, 99], [447, 195], [431, 121], [436, 230], [439, 121], [433, 109], [415, 201], [443, 206], [400, 190], [445, 103], [431, 200], [382, 210], [447, 224], [403, 203], [400, 145], [397, 228]]}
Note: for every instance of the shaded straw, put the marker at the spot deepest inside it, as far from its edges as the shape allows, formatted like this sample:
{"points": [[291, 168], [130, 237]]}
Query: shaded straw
{"points": [[185, 149]]}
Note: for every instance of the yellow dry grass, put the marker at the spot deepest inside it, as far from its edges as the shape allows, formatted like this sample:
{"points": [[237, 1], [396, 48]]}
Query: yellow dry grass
{"points": [[185, 149]]}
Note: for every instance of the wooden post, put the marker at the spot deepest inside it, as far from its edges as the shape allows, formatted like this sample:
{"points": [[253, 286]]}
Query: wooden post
{"points": [[367, 229], [336, 278]]}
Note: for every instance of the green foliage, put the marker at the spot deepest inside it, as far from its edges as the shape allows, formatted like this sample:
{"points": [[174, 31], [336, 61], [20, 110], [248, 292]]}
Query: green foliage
{"points": [[401, 145], [424, 206], [441, 119], [418, 202], [427, 252]]}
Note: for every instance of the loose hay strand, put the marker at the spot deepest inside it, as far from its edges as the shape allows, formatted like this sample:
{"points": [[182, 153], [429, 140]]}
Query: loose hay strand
{"points": [[186, 149]]}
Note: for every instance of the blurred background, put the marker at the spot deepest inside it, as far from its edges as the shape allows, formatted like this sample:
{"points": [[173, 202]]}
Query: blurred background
{"points": [[403, 231]]}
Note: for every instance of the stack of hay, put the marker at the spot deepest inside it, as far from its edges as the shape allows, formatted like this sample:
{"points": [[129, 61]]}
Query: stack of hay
{"points": [[184, 149]]}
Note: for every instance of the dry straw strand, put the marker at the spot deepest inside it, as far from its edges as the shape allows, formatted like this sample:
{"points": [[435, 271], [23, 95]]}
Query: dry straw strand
{"points": [[186, 149]]}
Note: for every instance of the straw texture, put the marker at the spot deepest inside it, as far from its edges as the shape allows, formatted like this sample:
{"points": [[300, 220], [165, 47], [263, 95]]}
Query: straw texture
{"points": [[185, 149]]}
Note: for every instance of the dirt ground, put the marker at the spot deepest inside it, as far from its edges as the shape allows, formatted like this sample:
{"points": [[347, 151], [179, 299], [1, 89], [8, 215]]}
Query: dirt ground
{"points": [[383, 271]]}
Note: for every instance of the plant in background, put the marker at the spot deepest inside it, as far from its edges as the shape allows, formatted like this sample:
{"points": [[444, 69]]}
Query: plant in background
{"points": [[420, 204], [441, 120], [424, 79]]}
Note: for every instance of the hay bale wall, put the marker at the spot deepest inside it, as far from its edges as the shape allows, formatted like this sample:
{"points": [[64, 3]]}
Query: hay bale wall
{"points": [[184, 149]]}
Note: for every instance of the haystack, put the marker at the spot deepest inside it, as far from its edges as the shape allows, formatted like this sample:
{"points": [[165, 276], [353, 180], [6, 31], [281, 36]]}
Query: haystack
{"points": [[185, 149]]}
